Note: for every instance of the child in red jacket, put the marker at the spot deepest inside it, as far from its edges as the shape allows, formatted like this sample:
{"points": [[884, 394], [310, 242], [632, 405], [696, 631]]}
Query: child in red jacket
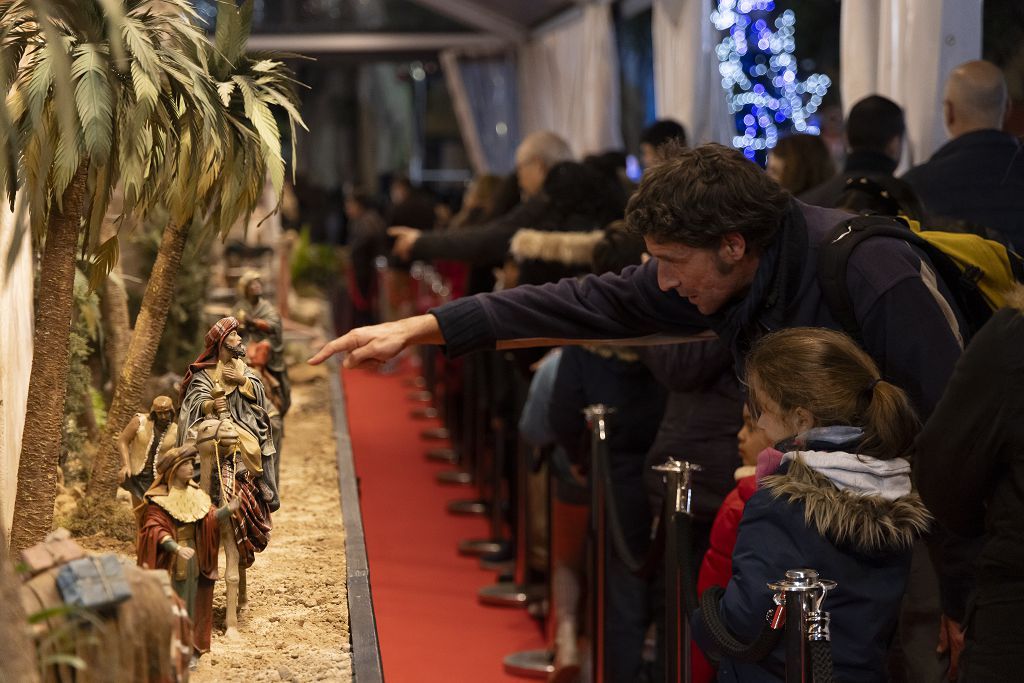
{"points": [[716, 569]]}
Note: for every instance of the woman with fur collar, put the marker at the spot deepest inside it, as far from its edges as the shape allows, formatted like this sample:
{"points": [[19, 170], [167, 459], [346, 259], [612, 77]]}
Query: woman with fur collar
{"points": [[835, 496]]}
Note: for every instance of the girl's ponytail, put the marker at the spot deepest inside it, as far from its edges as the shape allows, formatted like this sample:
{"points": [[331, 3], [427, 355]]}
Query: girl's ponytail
{"points": [[889, 422]]}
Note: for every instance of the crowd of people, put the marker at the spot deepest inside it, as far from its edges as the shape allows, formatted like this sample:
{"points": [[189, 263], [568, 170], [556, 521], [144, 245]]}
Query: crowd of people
{"points": [[885, 453]]}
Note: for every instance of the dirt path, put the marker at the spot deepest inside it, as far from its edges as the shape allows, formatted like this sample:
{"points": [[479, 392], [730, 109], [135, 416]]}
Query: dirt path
{"points": [[296, 625]]}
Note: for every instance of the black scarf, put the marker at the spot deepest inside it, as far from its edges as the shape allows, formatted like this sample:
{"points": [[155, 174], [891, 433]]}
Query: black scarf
{"points": [[765, 306]]}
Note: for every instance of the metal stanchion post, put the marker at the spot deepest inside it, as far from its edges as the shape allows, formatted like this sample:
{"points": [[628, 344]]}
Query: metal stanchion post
{"points": [[383, 289], [518, 592], [677, 623], [803, 593], [526, 663], [597, 421], [462, 474]]}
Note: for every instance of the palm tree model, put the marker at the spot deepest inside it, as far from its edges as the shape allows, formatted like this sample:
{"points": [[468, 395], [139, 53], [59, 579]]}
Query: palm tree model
{"points": [[245, 149], [99, 93]]}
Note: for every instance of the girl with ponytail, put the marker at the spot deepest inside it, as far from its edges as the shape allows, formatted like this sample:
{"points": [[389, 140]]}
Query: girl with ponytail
{"points": [[834, 495]]}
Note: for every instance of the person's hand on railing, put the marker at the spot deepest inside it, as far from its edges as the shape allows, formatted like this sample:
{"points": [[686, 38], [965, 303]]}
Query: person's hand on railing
{"points": [[370, 347], [405, 240]]}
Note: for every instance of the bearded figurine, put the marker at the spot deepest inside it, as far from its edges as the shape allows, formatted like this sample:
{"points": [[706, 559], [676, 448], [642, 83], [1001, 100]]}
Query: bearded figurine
{"points": [[220, 385], [260, 324], [144, 439], [180, 533]]}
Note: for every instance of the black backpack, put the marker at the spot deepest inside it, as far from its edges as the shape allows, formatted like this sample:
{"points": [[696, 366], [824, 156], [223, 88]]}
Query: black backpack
{"points": [[976, 271]]}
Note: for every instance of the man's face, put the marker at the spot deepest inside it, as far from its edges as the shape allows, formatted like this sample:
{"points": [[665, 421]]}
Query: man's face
{"points": [[233, 343], [531, 173], [254, 290], [164, 417], [183, 473], [708, 278], [648, 154], [775, 167]]}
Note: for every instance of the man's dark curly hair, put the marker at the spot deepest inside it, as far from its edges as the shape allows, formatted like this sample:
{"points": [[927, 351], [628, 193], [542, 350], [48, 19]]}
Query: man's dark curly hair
{"points": [[699, 194]]}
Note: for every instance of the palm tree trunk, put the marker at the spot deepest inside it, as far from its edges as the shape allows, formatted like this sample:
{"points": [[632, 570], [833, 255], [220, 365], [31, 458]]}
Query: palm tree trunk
{"points": [[48, 384], [16, 650], [149, 328], [116, 322]]}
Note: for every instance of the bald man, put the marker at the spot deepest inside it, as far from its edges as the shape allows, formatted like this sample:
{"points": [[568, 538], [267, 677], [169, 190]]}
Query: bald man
{"points": [[977, 177]]}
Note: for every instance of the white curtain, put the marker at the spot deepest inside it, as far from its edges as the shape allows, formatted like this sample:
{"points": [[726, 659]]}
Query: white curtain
{"points": [[687, 83], [483, 92], [15, 358], [904, 50], [569, 82]]}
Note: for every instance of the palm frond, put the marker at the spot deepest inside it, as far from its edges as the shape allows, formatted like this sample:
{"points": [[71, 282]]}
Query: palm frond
{"points": [[103, 260], [93, 99]]}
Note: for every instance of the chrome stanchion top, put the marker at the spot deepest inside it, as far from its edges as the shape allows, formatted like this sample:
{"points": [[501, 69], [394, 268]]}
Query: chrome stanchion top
{"points": [[683, 471], [596, 415]]}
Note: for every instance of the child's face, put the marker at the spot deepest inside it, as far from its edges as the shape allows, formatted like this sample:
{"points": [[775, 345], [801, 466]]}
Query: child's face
{"points": [[752, 440], [775, 423]]}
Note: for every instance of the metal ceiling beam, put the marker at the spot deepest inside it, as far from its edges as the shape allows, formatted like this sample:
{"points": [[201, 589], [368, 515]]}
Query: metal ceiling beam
{"points": [[479, 17], [309, 43]]}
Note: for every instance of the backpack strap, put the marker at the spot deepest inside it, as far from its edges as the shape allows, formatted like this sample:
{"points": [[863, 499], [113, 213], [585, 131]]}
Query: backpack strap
{"points": [[833, 261]]}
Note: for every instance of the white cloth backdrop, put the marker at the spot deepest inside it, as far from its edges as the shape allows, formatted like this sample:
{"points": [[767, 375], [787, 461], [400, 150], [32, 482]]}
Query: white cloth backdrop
{"points": [[15, 360], [484, 96], [569, 82], [687, 83], [904, 50]]}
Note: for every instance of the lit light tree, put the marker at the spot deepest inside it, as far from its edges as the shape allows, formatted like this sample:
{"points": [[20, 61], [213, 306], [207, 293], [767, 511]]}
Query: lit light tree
{"points": [[759, 70]]}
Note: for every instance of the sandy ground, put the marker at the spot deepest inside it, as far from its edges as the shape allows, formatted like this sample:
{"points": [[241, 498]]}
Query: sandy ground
{"points": [[295, 627]]}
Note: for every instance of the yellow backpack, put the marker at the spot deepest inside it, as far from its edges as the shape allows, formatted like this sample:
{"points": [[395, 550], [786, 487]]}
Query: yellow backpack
{"points": [[976, 271]]}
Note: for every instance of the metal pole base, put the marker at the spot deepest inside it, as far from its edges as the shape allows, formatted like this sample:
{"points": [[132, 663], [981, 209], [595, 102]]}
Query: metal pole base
{"points": [[436, 434], [421, 396], [426, 413], [509, 594], [529, 664], [467, 507], [455, 478], [500, 566], [443, 455], [478, 546]]}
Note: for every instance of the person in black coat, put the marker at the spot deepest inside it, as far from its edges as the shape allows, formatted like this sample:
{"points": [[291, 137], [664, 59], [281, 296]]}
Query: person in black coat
{"points": [[875, 130], [615, 377], [970, 473], [978, 176], [487, 245]]}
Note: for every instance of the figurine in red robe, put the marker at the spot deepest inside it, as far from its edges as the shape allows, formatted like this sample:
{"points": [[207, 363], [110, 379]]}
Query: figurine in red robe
{"points": [[180, 532]]}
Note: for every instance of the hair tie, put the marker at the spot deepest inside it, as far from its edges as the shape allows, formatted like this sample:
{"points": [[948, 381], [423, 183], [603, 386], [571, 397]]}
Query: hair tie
{"points": [[874, 383]]}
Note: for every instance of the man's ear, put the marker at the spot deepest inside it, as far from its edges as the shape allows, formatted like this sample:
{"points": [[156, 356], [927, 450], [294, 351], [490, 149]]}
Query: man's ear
{"points": [[948, 113], [733, 247]]}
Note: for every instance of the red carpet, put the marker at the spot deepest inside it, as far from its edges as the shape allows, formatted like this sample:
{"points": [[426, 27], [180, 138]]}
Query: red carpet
{"points": [[430, 625]]}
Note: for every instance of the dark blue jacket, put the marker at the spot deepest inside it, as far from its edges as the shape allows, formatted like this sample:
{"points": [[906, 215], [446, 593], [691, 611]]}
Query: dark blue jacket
{"points": [[977, 178], [782, 529]]}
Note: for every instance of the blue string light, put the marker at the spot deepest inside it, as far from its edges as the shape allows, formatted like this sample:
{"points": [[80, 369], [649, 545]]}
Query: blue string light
{"points": [[760, 75]]}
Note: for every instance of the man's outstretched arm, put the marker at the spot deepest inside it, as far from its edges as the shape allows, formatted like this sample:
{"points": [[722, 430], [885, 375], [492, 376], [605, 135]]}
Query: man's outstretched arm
{"points": [[624, 307]]}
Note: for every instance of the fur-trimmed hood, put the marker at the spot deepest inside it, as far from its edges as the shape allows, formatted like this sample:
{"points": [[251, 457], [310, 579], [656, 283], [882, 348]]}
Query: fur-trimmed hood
{"points": [[869, 523], [566, 248]]}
